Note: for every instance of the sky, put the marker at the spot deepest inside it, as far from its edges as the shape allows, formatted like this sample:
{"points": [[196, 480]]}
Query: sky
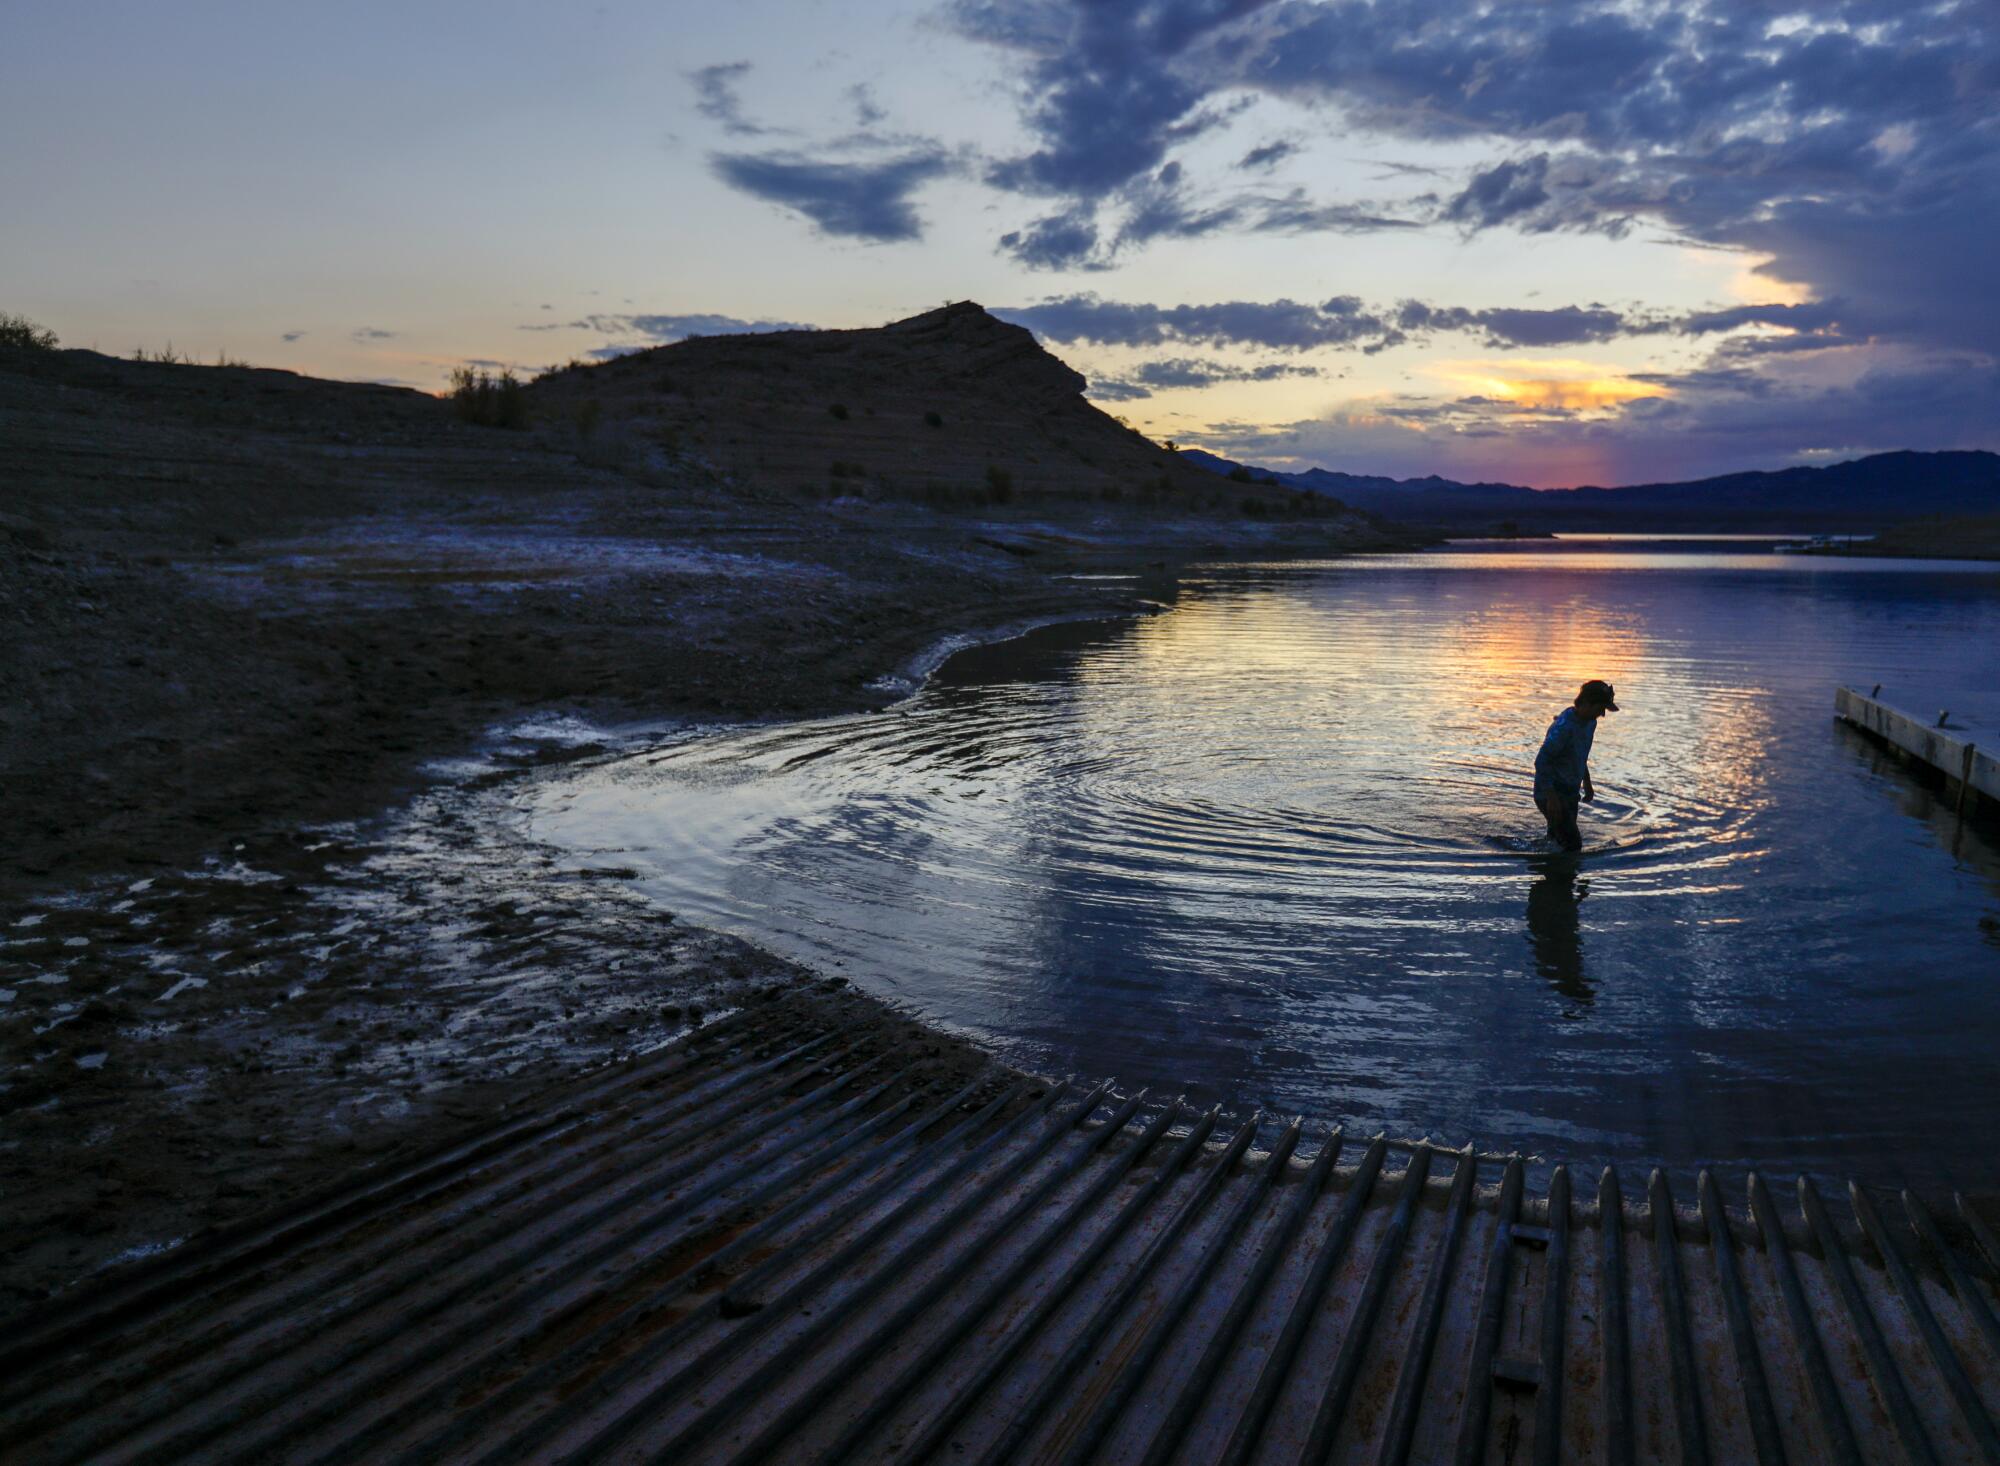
{"points": [[1520, 240]]}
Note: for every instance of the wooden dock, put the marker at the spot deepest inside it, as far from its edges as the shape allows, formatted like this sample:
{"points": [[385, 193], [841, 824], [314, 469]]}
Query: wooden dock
{"points": [[1951, 743]]}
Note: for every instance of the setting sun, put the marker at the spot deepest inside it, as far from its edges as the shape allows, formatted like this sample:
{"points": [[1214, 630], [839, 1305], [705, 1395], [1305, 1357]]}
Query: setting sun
{"points": [[1538, 385]]}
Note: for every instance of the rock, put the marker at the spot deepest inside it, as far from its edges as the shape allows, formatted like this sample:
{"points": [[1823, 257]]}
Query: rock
{"points": [[28, 535]]}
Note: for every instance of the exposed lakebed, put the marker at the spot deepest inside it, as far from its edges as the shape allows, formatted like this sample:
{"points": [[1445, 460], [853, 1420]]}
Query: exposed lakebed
{"points": [[1275, 845]]}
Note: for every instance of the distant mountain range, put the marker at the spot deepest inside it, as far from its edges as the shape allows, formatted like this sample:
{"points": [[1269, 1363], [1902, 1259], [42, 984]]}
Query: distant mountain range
{"points": [[1861, 495]]}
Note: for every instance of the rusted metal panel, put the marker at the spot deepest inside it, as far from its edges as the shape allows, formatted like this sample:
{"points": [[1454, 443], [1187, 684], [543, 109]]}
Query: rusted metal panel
{"points": [[765, 1247]]}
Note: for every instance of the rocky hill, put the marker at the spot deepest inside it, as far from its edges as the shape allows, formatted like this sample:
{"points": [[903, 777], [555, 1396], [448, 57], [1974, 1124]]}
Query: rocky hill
{"points": [[952, 407]]}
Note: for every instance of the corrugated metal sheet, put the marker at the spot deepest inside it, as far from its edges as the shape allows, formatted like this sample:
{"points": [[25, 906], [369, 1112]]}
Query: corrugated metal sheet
{"points": [[776, 1246]]}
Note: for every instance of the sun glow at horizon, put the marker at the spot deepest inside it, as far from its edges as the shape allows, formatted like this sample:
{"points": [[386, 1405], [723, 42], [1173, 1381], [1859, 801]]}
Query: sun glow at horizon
{"points": [[1542, 385]]}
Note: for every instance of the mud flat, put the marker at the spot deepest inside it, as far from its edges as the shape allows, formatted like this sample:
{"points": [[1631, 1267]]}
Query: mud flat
{"points": [[270, 645]]}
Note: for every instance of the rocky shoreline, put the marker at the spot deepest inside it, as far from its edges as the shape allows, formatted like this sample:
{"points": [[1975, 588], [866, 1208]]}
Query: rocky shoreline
{"points": [[275, 651]]}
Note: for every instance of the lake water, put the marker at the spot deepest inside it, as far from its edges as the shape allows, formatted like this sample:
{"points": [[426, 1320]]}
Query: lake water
{"points": [[1276, 845]]}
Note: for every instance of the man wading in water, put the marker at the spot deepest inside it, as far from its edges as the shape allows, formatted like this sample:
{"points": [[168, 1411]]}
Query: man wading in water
{"points": [[1562, 768]]}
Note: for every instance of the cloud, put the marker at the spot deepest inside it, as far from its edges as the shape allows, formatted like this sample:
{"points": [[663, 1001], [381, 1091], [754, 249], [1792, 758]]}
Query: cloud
{"points": [[716, 98], [1161, 206], [660, 329], [1266, 156], [1165, 373], [1709, 421], [1854, 141], [1065, 241], [1507, 326], [365, 334], [1187, 371], [1283, 325], [290, 336], [1296, 214], [867, 112], [1346, 322], [860, 200]]}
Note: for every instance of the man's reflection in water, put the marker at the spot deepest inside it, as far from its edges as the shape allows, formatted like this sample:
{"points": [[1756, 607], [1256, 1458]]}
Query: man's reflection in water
{"points": [[1555, 930]]}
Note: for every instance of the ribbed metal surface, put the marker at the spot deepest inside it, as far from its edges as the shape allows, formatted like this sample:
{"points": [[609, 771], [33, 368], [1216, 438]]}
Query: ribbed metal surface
{"points": [[777, 1246]]}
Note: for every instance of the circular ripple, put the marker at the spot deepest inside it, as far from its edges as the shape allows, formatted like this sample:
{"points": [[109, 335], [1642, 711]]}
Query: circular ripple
{"points": [[1279, 844]]}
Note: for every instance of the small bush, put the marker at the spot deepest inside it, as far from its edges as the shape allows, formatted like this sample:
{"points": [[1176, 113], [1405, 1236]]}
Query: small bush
{"points": [[165, 356], [588, 413], [1251, 506], [839, 410], [1240, 475], [999, 484], [488, 401], [24, 334], [841, 469], [1112, 493], [933, 420]]}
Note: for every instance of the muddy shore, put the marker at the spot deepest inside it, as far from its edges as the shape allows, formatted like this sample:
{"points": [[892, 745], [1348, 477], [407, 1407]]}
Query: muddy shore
{"points": [[272, 647]]}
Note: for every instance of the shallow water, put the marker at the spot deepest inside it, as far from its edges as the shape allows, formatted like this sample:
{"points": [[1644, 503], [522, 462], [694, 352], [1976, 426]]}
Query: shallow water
{"points": [[1276, 844]]}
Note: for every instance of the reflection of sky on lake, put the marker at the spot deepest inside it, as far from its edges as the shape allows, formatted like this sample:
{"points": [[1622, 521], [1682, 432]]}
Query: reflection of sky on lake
{"points": [[1276, 844]]}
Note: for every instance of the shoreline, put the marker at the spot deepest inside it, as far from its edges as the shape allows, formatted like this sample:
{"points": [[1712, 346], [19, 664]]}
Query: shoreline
{"points": [[257, 930], [135, 1124]]}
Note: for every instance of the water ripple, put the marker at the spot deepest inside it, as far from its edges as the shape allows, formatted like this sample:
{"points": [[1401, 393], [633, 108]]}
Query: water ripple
{"points": [[1277, 842]]}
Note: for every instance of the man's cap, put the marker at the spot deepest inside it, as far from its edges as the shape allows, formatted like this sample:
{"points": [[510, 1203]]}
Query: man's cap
{"points": [[1601, 693]]}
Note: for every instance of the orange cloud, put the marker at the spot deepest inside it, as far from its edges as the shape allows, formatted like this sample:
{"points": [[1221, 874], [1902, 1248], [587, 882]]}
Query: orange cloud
{"points": [[1576, 386]]}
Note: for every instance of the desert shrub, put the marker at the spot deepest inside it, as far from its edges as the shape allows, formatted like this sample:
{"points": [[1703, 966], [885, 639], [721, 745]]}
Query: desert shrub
{"points": [[934, 420], [999, 484], [839, 410], [1252, 506], [588, 413], [165, 356], [840, 468], [1112, 493], [486, 400], [1239, 475], [24, 334]]}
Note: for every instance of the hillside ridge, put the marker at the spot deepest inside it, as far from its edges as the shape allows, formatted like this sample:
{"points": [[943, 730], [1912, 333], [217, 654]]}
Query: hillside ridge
{"points": [[1868, 492]]}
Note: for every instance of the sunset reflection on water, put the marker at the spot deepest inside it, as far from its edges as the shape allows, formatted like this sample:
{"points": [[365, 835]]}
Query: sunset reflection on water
{"points": [[1276, 844]]}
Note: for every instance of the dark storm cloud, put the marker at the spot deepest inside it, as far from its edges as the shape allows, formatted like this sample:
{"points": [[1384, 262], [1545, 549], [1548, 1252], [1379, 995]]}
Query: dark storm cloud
{"points": [[853, 200], [1856, 141], [716, 98], [1105, 91]]}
